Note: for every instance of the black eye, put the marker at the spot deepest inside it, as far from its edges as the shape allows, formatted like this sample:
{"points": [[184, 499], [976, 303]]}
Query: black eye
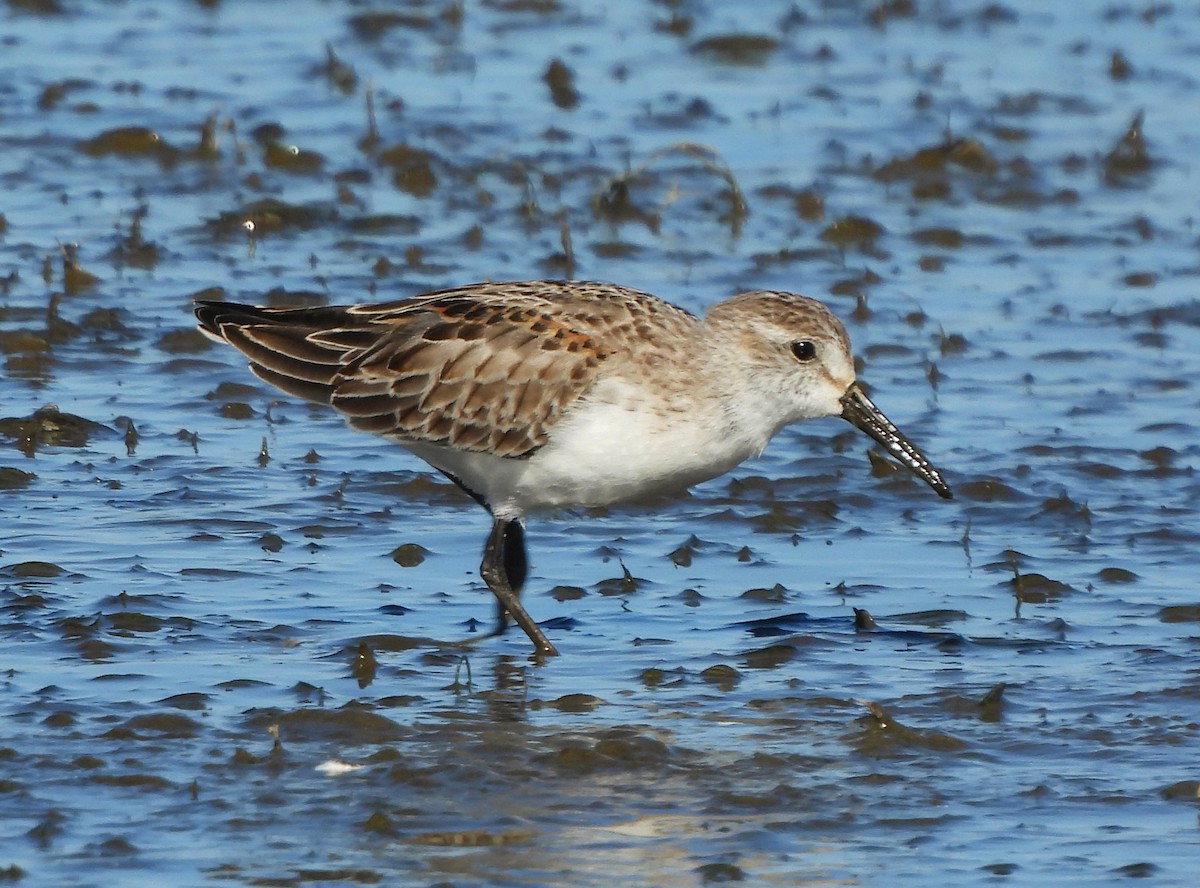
{"points": [[804, 350]]}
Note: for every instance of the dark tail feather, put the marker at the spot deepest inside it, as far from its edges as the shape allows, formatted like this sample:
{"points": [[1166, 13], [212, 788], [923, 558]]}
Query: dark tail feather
{"points": [[279, 345]]}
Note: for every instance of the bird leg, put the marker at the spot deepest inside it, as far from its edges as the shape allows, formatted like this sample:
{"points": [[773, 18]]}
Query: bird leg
{"points": [[504, 568], [515, 561]]}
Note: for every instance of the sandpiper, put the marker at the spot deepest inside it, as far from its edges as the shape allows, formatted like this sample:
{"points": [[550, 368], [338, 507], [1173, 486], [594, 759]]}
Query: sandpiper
{"points": [[540, 394]]}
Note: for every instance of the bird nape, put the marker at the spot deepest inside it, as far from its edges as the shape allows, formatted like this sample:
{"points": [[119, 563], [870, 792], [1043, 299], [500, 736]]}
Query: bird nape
{"points": [[536, 395]]}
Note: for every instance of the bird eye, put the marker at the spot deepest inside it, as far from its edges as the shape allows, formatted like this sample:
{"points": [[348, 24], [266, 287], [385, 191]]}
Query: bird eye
{"points": [[804, 350]]}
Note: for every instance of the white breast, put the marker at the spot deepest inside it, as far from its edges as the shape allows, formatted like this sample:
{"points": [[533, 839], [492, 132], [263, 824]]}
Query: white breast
{"points": [[612, 446]]}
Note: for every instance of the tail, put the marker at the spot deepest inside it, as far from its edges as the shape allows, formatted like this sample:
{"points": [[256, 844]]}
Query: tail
{"points": [[297, 350]]}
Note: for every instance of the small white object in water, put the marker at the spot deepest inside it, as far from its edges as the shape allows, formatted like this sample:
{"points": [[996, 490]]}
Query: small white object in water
{"points": [[336, 768]]}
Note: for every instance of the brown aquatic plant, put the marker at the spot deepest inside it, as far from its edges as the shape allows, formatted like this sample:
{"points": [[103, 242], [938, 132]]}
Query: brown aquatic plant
{"points": [[614, 199]]}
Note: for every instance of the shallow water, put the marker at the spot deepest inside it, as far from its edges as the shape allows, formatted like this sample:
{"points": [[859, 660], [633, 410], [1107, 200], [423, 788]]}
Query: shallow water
{"points": [[201, 614]]}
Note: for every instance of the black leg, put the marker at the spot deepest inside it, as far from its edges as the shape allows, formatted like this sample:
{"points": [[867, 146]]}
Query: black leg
{"points": [[516, 566], [504, 568]]}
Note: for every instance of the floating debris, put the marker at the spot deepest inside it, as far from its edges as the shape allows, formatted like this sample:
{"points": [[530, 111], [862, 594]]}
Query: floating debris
{"points": [[561, 81], [49, 427], [737, 49], [1129, 160]]}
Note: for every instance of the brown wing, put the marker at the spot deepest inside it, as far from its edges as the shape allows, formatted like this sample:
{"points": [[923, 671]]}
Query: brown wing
{"points": [[487, 368]]}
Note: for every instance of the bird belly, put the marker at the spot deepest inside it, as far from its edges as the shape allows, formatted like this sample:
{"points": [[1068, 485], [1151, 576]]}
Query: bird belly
{"points": [[601, 453]]}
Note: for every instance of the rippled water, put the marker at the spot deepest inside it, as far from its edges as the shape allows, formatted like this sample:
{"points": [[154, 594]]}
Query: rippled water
{"points": [[216, 668]]}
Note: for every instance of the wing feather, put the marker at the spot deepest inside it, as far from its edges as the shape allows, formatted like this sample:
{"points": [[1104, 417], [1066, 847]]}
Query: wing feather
{"points": [[485, 368]]}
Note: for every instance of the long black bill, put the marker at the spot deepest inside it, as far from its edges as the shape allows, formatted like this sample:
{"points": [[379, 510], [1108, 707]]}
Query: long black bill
{"points": [[858, 410]]}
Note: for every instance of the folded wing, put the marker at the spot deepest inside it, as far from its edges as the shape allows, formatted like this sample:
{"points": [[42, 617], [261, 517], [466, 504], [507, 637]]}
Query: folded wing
{"points": [[473, 369]]}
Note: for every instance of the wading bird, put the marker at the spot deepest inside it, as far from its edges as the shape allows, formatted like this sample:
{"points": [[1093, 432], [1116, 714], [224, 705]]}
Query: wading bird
{"points": [[541, 394]]}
